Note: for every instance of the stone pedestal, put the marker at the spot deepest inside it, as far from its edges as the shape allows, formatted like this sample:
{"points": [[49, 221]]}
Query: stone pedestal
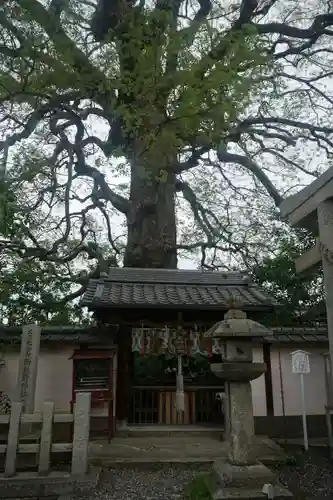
{"points": [[246, 482]]}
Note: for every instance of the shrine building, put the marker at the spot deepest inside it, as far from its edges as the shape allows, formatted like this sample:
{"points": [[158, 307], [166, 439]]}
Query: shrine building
{"points": [[146, 320]]}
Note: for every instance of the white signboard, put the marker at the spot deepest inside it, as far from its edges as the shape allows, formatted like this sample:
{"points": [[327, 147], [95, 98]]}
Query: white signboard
{"points": [[300, 362], [301, 366]]}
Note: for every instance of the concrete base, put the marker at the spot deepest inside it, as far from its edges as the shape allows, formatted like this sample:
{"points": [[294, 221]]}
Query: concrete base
{"points": [[280, 493], [56, 484], [168, 449], [245, 482]]}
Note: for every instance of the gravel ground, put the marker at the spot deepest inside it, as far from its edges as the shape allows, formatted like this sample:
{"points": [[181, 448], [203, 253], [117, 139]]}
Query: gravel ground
{"points": [[162, 482], [309, 478]]}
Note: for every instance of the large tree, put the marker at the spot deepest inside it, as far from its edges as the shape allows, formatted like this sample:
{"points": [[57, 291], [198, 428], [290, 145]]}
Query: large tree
{"points": [[141, 108]]}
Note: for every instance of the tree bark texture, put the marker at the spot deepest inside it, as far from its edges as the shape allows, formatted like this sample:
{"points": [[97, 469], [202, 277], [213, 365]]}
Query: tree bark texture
{"points": [[151, 221]]}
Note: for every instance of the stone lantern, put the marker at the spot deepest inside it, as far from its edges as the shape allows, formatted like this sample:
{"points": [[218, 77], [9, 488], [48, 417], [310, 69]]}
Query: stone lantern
{"points": [[237, 369], [240, 472]]}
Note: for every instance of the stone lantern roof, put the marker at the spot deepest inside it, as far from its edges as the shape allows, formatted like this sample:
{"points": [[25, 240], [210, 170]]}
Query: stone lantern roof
{"points": [[236, 324]]}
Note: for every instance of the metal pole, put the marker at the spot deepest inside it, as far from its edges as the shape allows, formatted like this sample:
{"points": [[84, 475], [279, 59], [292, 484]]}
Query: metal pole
{"points": [[305, 429]]}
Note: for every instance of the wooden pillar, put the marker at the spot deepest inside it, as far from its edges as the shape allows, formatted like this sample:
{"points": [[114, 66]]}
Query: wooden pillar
{"points": [[268, 380], [325, 223], [124, 378]]}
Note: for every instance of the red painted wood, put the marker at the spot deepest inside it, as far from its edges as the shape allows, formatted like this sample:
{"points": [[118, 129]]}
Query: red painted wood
{"points": [[99, 396]]}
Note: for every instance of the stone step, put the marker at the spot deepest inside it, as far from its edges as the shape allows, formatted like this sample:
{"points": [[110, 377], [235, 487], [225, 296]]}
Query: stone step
{"points": [[171, 431]]}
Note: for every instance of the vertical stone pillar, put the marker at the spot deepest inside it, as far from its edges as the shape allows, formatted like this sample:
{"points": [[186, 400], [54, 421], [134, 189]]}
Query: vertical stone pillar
{"points": [[241, 432], [325, 223], [46, 438], [226, 409], [81, 433], [13, 439], [27, 373], [28, 366]]}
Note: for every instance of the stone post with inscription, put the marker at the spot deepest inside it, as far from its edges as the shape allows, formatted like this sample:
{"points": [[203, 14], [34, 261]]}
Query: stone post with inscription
{"points": [[27, 372], [28, 366], [241, 475]]}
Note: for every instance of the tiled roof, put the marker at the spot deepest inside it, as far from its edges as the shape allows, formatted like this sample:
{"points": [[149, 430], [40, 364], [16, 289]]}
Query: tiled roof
{"points": [[70, 333], [297, 335], [166, 288], [82, 335]]}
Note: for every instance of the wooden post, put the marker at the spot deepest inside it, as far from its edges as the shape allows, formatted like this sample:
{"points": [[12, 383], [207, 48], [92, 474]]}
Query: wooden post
{"points": [[268, 380], [13, 438], [124, 360], [46, 438]]}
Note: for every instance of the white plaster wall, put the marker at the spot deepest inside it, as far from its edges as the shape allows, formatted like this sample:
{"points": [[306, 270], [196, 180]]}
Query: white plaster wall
{"points": [[314, 382], [54, 380], [258, 386], [8, 373], [54, 376]]}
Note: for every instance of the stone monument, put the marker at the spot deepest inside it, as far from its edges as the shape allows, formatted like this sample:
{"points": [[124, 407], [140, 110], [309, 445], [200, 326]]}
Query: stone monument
{"points": [[240, 475], [27, 375], [28, 365]]}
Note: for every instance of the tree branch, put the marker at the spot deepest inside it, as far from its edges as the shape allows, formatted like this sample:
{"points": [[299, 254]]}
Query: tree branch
{"points": [[86, 72], [34, 120], [199, 213], [192, 161], [250, 165], [317, 28], [284, 121], [104, 191]]}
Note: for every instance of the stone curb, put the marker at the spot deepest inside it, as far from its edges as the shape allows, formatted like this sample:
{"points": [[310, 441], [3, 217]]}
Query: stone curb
{"points": [[31, 485]]}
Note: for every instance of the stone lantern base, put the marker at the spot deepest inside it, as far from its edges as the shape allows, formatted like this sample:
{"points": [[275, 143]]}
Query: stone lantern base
{"points": [[247, 482]]}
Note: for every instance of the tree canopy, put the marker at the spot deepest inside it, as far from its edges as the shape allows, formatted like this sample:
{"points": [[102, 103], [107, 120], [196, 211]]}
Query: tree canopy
{"points": [[139, 132], [301, 297]]}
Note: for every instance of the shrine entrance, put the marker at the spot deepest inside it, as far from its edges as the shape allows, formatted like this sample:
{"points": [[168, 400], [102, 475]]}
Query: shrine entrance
{"points": [[156, 405], [163, 313], [157, 357]]}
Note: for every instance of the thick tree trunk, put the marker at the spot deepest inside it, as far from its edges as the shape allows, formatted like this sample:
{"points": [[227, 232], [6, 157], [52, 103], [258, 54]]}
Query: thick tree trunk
{"points": [[151, 244], [151, 222]]}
